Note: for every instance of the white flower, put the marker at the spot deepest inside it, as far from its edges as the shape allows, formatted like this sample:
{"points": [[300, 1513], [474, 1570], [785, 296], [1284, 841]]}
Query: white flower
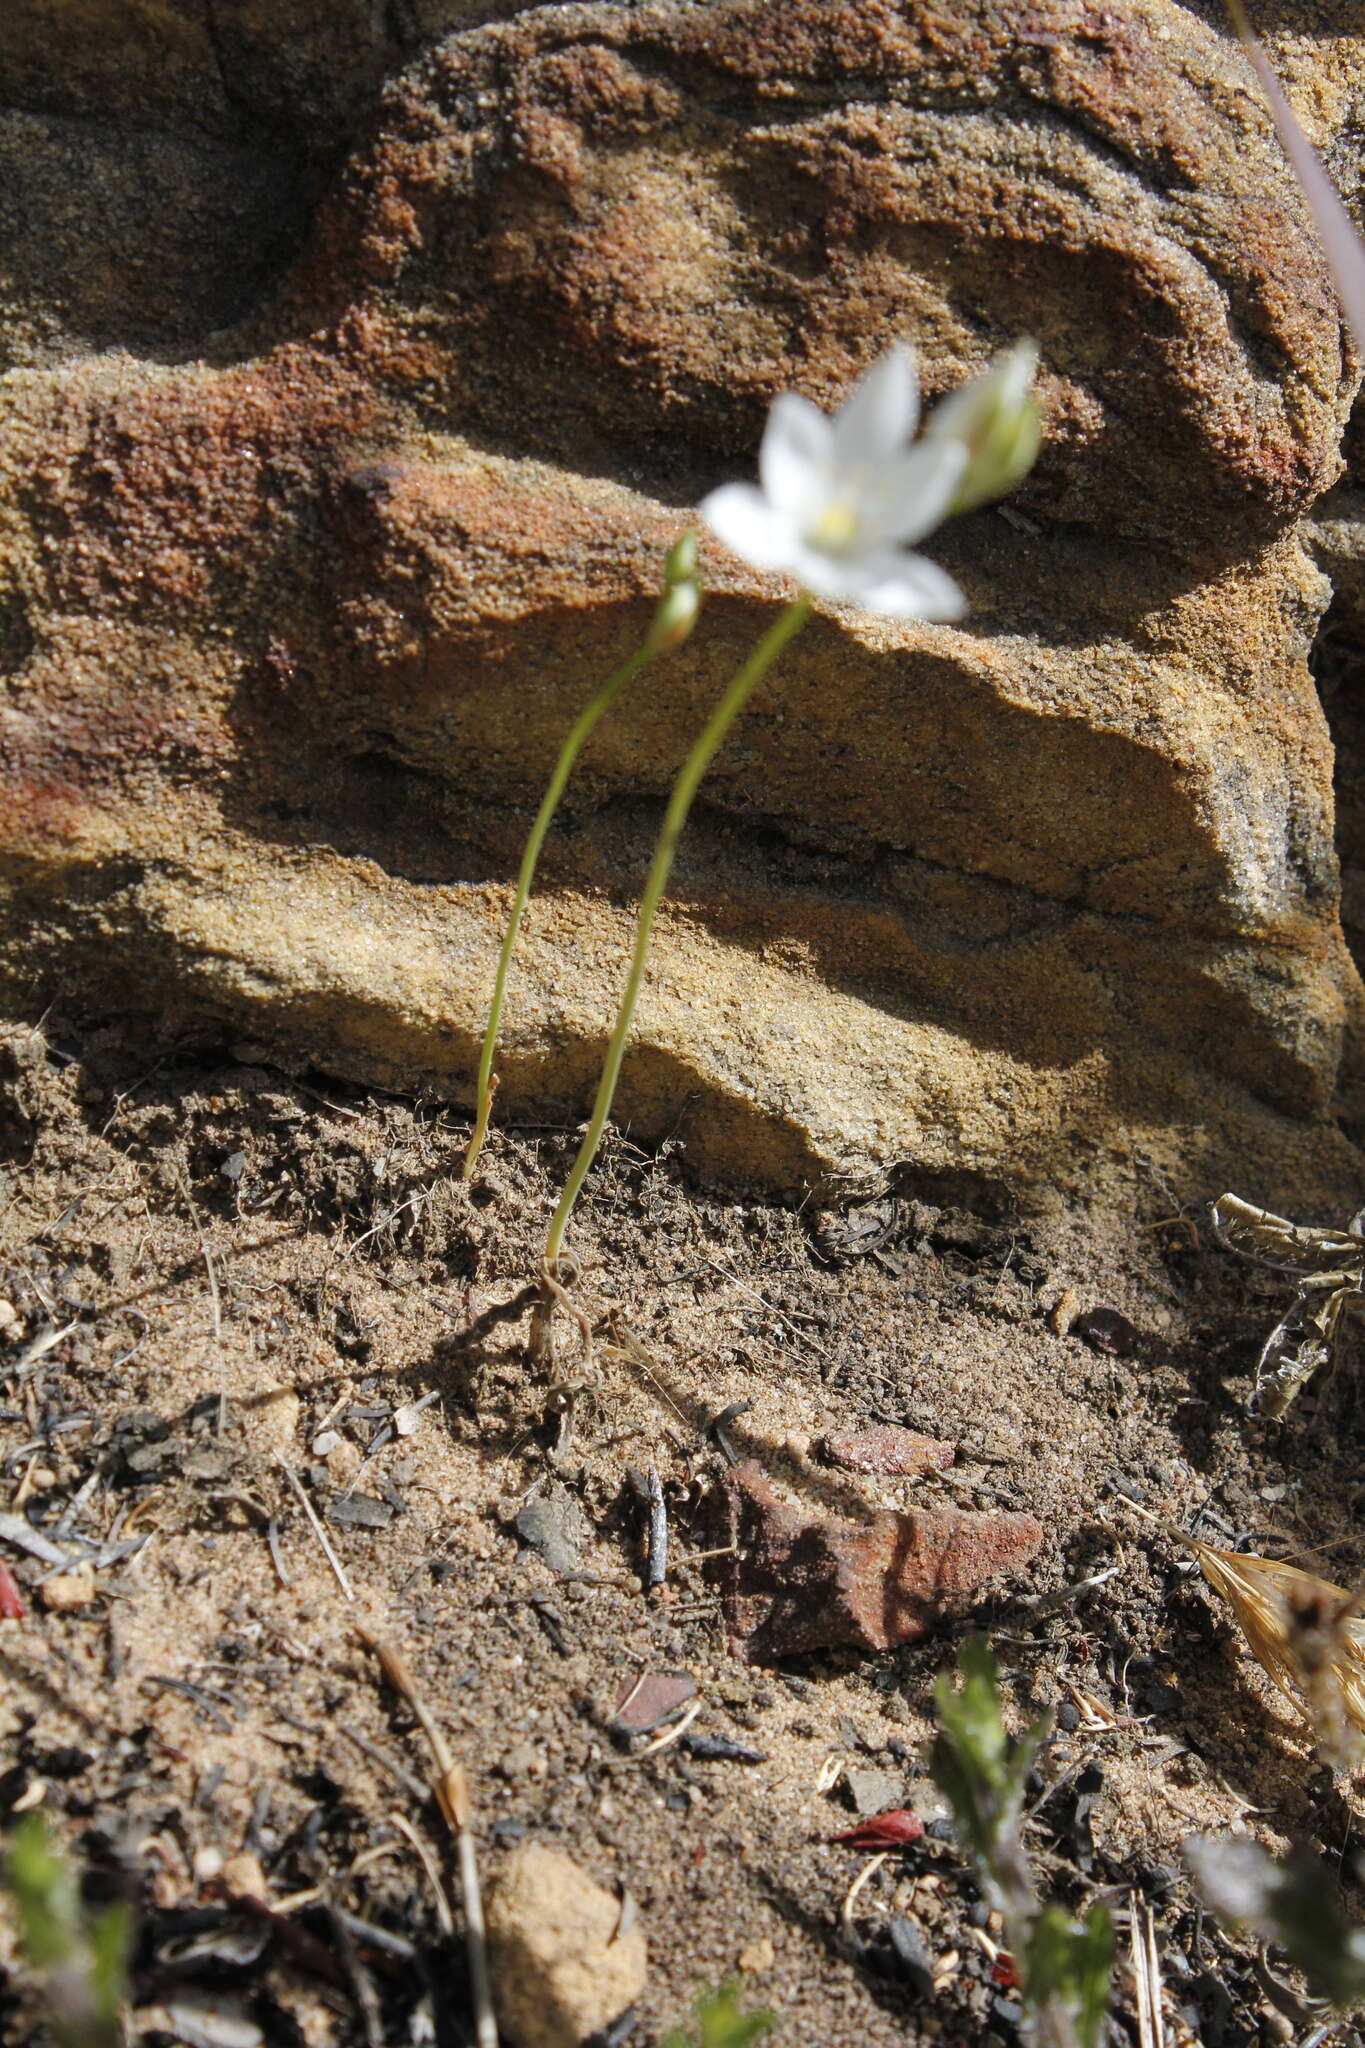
{"points": [[840, 499]]}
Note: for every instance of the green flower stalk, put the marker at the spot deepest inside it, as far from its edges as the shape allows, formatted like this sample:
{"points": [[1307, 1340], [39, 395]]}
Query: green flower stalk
{"points": [[837, 504], [788, 624], [674, 618]]}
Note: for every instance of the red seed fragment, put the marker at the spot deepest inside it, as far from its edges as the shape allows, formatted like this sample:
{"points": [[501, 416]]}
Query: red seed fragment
{"points": [[884, 1830], [11, 1601]]}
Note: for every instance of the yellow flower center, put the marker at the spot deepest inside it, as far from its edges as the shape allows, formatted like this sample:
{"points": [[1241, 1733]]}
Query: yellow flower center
{"points": [[837, 527]]}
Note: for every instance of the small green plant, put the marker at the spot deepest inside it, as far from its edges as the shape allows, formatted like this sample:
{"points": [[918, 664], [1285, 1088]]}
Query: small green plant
{"points": [[720, 2021], [1289, 1903], [81, 1960], [1063, 1965]]}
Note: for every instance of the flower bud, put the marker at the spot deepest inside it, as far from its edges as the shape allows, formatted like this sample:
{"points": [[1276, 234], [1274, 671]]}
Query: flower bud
{"points": [[999, 421], [676, 612], [680, 563]]}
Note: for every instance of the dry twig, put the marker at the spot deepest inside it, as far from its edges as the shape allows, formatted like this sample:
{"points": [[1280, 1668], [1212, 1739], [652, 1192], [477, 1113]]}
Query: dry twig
{"points": [[451, 1788], [333, 1560]]}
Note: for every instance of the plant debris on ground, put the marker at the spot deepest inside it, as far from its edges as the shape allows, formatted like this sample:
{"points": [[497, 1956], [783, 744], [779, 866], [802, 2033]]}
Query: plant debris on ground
{"points": [[268, 1389]]}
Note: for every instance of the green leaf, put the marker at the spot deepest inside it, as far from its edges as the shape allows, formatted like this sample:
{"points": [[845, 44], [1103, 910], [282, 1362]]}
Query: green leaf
{"points": [[110, 1940], [1093, 1963], [82, 1963], [981, 1770], [1070, 1961], [720, 2021], [45, 1893]]}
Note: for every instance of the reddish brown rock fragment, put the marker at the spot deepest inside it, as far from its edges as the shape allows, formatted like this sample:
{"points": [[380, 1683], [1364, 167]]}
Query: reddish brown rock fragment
{"points": [[886, 1449], [645, 1703], [801, 1581]]}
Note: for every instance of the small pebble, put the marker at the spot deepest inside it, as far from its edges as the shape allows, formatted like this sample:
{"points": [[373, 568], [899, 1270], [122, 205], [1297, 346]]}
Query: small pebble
{"points": [[563, 1967], [1107, 1332], [242, 1876], [342, 1461], [65, 1590], [873, 1791], [269, 1419]]}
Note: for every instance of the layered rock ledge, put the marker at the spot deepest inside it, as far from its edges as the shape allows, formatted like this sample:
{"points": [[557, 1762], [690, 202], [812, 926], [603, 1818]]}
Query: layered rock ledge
{"points": [[349, 403]]}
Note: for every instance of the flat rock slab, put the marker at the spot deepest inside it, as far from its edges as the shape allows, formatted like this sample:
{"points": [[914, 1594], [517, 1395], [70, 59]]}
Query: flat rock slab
{"points": [[801, 1581], [885, 1448]]}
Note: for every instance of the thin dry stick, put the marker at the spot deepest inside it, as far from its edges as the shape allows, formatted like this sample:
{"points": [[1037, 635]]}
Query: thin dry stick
{"points": [[364, 1997], [1146, 1966], [216, 1310], [451, 1788], [445, 1919], [333, 1560], [671, 1735], [656, 1563], [863, 1877]]}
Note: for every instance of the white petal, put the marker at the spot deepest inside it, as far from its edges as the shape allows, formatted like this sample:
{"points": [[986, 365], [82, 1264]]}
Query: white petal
{"points": [[903, 586], [795, 459], [826, 575], [880, 412], [910, 493], [741, 516]]}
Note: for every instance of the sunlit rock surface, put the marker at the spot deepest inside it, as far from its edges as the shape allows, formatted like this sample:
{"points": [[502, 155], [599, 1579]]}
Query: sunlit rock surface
{"points": [[354, 378]]}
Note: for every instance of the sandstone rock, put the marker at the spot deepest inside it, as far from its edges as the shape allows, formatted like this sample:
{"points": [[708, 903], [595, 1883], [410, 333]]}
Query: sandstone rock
{"points": [[800, 1581], [887, 1449], [327, 495], [559, 1972]]}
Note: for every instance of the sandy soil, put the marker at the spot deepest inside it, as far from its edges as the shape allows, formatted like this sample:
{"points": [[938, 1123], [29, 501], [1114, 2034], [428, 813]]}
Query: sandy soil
{"points": [[243, 1267]]}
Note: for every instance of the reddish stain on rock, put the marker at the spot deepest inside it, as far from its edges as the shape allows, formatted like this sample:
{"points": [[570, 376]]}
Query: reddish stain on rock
{"points": [[799, 1581], [886, 1449]]}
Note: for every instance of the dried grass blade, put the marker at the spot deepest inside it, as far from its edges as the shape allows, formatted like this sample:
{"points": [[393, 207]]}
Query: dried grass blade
{"points": [[1306, 1633], [1340, 240]]}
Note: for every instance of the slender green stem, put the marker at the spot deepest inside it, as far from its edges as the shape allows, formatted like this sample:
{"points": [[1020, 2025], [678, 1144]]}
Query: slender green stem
{"points": [[579, 733], [675, 817]]}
